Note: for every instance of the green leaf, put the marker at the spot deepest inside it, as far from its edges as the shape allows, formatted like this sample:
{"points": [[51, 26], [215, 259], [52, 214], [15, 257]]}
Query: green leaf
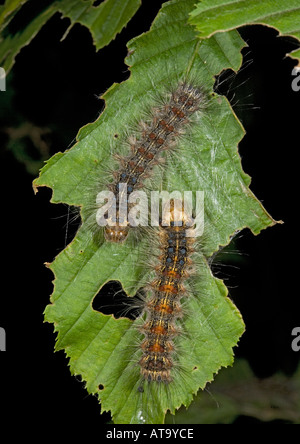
{"points": [[104, 22], [10, 45], [100, 347], [237, 391], [8, 11], [211, 16]]}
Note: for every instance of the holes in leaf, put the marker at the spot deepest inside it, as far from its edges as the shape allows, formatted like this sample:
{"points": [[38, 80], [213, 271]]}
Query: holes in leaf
{"points": [[113, 300], [97, 3]]}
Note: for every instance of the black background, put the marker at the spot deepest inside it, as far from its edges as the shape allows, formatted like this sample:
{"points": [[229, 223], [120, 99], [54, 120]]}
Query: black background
{"points": [[56, 84]]}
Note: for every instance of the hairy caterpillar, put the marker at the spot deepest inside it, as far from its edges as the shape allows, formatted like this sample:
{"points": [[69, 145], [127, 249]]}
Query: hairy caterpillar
{"points": [[152, 361], [168, 122], [163, 308]]}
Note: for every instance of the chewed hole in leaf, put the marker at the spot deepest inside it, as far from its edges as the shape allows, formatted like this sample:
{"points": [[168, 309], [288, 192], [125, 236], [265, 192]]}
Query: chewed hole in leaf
{"points": [[113, 300]]}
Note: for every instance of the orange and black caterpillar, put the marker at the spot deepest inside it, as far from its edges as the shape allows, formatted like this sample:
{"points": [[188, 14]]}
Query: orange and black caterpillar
{"points": [[161, 133], [163, 307]]}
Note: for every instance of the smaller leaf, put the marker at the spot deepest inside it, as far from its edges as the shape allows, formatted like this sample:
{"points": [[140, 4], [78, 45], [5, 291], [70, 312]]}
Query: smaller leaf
{"points": [[211, 16], [8, 11], [237, 391], [11, 45], [104, 22]]}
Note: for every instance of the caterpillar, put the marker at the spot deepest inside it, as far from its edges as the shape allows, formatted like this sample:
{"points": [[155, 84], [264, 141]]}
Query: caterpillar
{"points": [[161, 133], [163, 307]]}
